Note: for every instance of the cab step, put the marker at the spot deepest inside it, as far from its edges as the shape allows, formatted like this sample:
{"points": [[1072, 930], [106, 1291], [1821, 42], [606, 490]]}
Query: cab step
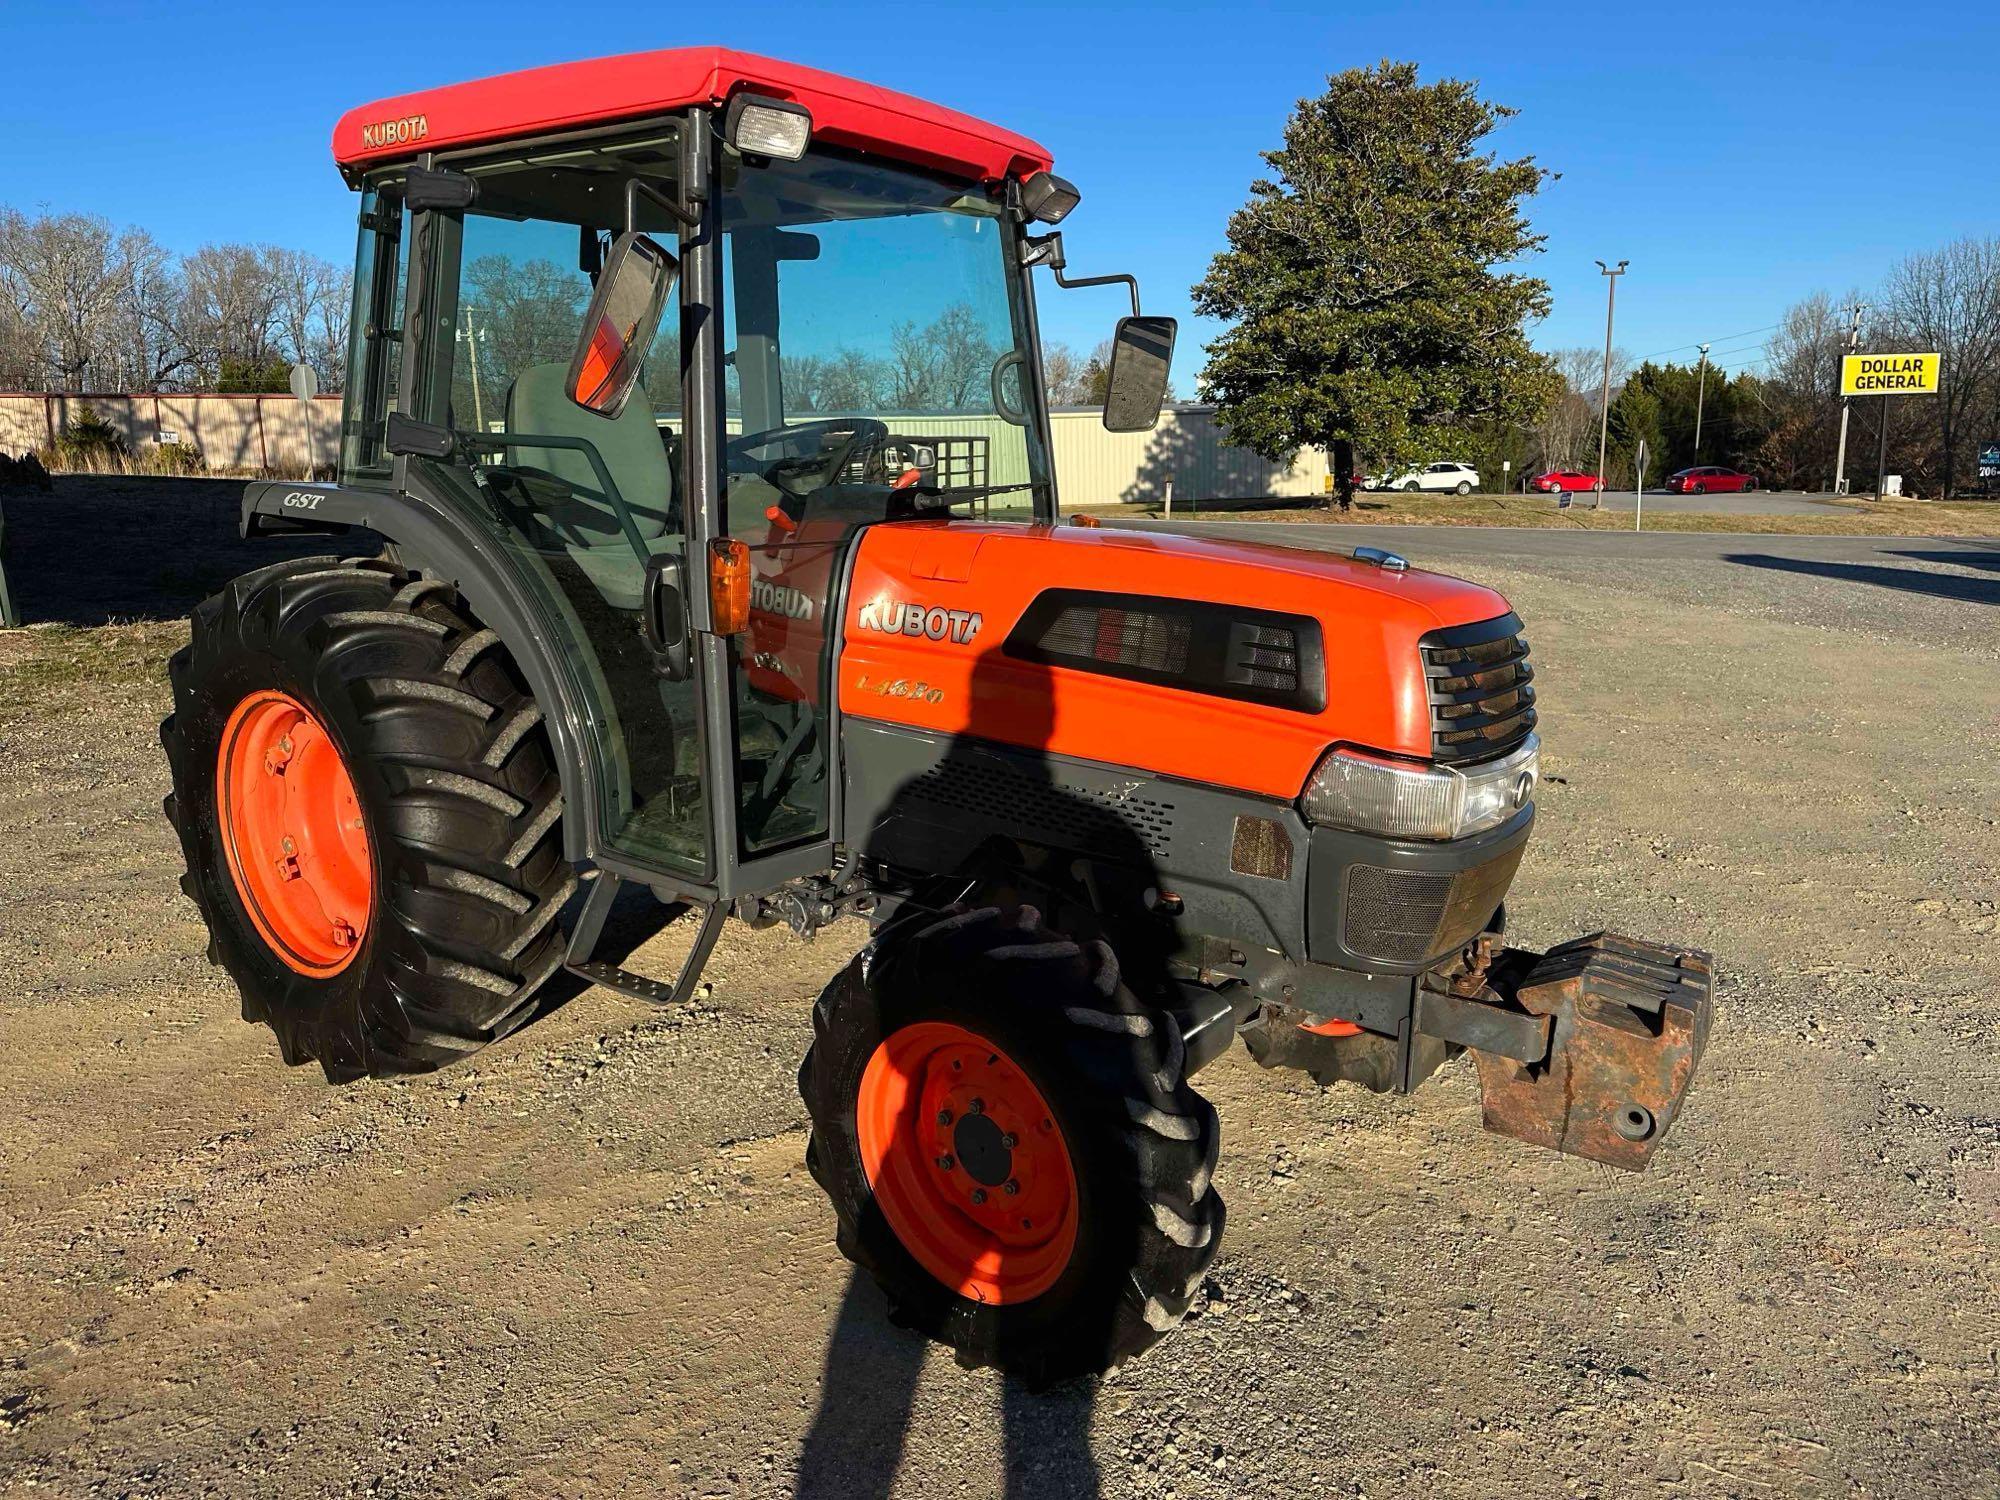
{"points": [[589, 932]]}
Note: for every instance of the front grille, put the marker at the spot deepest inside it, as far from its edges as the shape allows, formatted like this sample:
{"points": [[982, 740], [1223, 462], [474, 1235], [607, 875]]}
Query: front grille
{"points": [[1482, 698], [1406, 916]]}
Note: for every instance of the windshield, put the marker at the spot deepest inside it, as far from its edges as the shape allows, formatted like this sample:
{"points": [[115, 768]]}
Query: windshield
{"points": [[876, 347]]}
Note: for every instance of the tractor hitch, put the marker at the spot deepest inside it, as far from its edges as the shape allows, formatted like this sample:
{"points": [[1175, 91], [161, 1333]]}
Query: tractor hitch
{"points": [[1587, 1048]]}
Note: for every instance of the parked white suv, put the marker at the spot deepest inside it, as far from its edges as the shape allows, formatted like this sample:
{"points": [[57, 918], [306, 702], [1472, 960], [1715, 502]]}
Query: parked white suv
{"points": [[1461, 479]]}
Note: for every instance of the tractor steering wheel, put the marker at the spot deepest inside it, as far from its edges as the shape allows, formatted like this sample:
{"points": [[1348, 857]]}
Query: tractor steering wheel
{"points": [[788, 469]]}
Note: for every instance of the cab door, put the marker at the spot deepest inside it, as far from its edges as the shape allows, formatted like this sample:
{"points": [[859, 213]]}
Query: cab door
{"points": [[577, 505]]}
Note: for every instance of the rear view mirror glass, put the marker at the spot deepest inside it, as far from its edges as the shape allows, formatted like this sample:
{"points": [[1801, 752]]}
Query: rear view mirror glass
{"points": [[1142, 354], [624, 315]]}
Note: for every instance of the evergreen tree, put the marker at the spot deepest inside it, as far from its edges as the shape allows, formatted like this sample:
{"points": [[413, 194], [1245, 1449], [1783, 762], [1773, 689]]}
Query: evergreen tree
{"points": [[1365, 280]]}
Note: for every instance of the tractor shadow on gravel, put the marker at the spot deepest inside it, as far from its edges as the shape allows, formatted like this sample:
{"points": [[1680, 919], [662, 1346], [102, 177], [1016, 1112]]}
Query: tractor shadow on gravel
{"points": [[1952, 586], [868, 1392], [868, 1397], [99, 548]]}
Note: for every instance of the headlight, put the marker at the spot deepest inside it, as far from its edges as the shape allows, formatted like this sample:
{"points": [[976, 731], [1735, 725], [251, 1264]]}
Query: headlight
{"points": [[1371, 794]]}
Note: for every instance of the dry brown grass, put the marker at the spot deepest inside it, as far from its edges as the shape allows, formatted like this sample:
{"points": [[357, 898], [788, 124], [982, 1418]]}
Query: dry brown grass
{"points": [[169, 460]]}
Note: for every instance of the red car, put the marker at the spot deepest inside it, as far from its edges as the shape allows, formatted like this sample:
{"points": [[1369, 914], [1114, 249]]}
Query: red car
{"points": [[1557, 480], [1710, 479]]}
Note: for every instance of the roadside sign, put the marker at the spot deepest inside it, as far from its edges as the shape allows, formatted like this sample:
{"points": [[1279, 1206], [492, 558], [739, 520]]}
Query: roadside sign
{"points": [[1329, 483], [1989, 460], [305, 384], [1889, 374]]}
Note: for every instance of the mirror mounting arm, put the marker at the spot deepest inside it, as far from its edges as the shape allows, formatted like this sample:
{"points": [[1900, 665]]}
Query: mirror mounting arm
{"points": [[1131, 284], [637, 188], [692, 192], [1047, 250]]}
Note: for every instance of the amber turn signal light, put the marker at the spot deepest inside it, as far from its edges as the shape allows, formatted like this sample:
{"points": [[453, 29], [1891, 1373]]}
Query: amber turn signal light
{"points": [[728, 586]]}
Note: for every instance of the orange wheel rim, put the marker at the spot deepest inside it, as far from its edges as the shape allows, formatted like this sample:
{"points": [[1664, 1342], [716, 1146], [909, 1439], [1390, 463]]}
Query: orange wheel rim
{"points": [[967, 1163], [293, 834]]}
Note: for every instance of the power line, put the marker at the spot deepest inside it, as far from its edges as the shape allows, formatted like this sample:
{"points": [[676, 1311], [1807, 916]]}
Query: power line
{"points": [[1721, 339]]}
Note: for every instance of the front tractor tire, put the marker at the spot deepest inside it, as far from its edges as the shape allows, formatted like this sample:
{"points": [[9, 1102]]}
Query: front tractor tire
{"points": [[370, 812], [1011, 1144]]}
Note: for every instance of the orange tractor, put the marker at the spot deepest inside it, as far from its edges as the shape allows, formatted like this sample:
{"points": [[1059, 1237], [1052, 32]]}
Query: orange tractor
{"points": [[698, 400]]}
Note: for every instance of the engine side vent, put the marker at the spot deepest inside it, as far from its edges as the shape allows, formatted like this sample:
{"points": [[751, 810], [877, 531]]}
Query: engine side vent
{"points": [[1065, 815], [1481, 691], [1255, 655]]}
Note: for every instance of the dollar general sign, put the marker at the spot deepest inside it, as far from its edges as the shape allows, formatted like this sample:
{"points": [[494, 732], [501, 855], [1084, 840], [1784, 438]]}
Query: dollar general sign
{"points": [[1888, 374]]}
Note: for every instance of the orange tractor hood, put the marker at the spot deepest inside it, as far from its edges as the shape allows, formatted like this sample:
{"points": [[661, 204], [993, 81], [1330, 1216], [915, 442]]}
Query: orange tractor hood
{"points": [[973, 581]]}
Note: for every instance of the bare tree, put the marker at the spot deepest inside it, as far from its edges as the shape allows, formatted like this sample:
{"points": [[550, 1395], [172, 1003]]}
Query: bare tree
{"points": [[1568, 429], [146, 345], [311, 305], [1949, 301], [1800, 392], [68, 278], [1062, 374], [914, 381], [852, 382], [229, 313], [964, 358]]}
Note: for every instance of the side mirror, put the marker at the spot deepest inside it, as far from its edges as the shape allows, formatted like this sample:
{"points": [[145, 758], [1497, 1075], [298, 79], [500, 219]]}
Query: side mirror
{"points": [[1142, 353], [619, 327]]}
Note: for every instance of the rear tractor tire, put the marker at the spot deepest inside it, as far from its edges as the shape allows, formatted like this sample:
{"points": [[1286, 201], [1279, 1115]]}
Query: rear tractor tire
{"points": [[370, 813], [1010, 1143]]}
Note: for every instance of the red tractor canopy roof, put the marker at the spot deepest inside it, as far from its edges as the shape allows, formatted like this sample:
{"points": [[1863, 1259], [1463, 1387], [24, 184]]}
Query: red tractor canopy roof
{"points": [[605, 90]]}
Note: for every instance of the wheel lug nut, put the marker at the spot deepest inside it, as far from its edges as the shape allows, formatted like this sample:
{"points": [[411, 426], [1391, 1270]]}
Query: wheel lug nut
{"points": [[976, 1107], [979, 1195], [1008, 1141], [1011, 1188], [945, 1163], [944, 1117], [287, 845]]}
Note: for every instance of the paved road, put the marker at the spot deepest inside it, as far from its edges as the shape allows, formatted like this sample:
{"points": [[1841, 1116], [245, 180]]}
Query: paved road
{"points": [[1757, 503]]}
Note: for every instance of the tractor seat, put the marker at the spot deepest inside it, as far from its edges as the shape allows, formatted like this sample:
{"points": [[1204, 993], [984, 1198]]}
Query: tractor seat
{"points": [[577, 509]]}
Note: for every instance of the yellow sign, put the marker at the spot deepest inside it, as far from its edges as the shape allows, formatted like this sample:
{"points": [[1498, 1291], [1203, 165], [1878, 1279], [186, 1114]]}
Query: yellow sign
{"points": [[1888, 374]]}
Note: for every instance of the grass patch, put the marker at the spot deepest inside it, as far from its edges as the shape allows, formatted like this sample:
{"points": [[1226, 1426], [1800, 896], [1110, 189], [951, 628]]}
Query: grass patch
{"points": [[1854, 517], [44, 668]]}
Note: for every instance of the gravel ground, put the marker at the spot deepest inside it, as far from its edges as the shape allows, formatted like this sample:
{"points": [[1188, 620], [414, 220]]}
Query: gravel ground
{"points": [[591, 1260]]}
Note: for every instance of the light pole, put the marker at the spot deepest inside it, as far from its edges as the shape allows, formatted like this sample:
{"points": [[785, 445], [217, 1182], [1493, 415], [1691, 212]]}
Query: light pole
{"points": [[1700, 395], [1604, 401]]}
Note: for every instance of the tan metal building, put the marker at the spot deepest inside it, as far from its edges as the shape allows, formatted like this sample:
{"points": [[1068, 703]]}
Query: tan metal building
{"points": [[273, 435]]}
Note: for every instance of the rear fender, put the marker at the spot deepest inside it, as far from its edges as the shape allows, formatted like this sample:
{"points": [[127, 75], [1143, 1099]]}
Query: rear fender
{"points": [[434, 538]]}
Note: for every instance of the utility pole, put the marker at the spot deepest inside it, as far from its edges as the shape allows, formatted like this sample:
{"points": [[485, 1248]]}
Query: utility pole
{"points": [[1882, 447], [1604, 401], [1700, 396], [1840, 458]]}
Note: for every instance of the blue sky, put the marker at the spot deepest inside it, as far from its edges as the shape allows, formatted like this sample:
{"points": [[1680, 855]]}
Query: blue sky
{"points": [[1739, 156]]}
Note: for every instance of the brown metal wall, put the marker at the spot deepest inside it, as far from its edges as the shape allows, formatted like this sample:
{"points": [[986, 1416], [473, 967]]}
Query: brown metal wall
{"points": [[1093, 467], [260, 434]]}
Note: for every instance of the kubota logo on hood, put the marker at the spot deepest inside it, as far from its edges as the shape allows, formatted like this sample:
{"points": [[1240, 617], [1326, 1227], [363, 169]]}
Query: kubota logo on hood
{"points": [[899, 617]]}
